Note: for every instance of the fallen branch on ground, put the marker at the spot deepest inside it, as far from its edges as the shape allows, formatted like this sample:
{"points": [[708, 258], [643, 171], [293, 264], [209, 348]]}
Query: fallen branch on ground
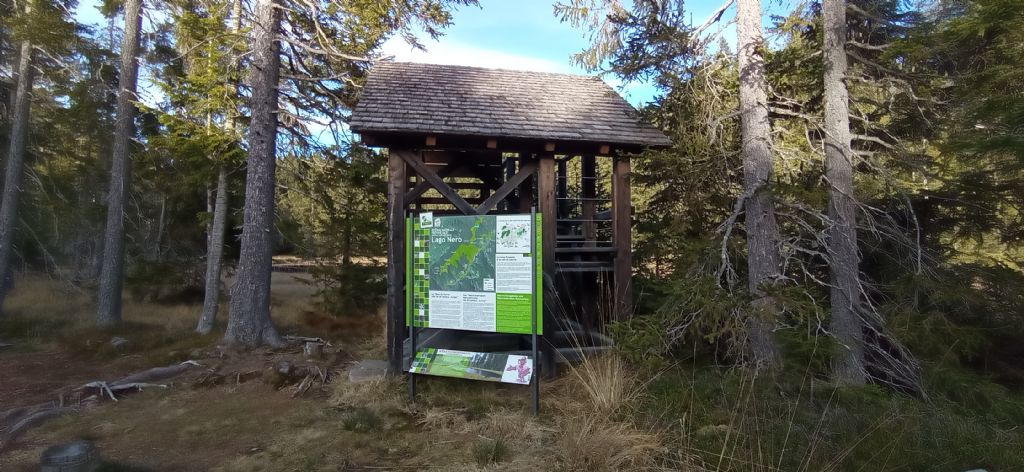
{"points": [[111, 390], [32, 419], [23, 418], [157, 373], [305, 339]]}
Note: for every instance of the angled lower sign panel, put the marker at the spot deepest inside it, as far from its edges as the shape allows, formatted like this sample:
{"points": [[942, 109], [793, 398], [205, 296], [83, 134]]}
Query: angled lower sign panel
{"points": [[492, 367]]}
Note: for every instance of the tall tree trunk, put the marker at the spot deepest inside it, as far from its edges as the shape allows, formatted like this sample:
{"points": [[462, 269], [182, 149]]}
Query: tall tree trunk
{"points": [[160, 227], [214, 254], [218, 226], [762, 230], [848, 363], [108, 312], [249, 320], [15, 164]]}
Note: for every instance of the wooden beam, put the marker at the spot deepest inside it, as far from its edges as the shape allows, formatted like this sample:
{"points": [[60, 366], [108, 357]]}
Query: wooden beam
{"points": [[562, 189], [525, 191], [622, 237], [396, 261], [401, 140], [604, 150], [492, 144], [588, 186], [424, 185], [423, 171], [466, 170], [549, 147], [445, 201], [431, 140], [445, 156], [546, 206], [525, 171], [509, 171]]}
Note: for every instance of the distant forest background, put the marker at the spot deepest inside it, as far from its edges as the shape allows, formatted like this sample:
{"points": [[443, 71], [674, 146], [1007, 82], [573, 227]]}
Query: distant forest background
{"points": [[935, 116]]}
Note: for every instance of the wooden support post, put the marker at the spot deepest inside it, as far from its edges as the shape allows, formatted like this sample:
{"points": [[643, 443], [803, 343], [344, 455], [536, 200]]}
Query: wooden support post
{"points": [[588, 187], [622, 236], [562, 192], [396, 260], [509, 172], [525, 192], [546, 206]]}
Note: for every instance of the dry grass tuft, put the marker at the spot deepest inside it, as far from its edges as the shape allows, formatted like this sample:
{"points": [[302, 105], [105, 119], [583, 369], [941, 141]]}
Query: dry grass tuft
{"points": [[514, 426], [442, 419], [605, 384], [595, 444], [385, 392]]}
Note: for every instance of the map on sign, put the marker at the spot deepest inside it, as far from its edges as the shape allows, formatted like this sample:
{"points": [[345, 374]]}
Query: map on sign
{"points": [[463, 249], [474, 272]]}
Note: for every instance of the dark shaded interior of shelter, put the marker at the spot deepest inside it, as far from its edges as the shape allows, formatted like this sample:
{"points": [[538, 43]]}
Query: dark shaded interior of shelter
{"points": [[584, 198]]}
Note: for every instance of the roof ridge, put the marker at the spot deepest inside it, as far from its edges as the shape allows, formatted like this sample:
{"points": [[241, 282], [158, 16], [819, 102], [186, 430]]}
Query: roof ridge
{"points": [[497, 69], [417, 97]]}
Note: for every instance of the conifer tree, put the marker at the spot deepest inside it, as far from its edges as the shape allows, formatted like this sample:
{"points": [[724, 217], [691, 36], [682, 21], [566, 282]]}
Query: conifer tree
{"points": [[842, 232], [108, 312], [15, 160], [758, 162]]}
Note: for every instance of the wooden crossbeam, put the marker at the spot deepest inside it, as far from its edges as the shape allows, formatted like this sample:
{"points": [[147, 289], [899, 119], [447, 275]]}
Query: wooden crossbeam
{"points": [[525, 170], [422, 186], [443, 188], [444, 201]]}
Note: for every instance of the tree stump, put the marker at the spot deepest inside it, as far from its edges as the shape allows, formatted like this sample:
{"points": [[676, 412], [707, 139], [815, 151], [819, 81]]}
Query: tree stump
{"points": [[78, 456]]}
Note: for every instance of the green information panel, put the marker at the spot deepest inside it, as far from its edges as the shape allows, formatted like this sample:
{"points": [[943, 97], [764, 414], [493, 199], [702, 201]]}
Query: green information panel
{"points": [[477, 273], [492, 367]]}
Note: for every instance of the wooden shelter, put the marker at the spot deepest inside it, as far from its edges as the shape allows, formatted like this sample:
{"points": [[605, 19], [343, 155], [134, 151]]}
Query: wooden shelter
{"points": [[468, 140]]}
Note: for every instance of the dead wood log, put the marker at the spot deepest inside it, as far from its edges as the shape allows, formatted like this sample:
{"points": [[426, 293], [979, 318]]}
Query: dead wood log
{"points": [[23, 418], [306, 339], [32, 419], [111, 390], [156, 373]]}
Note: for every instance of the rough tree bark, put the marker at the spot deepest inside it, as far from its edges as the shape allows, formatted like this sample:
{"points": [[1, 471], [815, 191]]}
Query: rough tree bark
{"points": [[215, 254], [848, 362], [249, 322], [15, 165], [762, 230], [218, 226], [108, 312]]}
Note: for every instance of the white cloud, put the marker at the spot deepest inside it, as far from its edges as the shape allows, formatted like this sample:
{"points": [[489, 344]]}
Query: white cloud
{"points": [[458, 54]]}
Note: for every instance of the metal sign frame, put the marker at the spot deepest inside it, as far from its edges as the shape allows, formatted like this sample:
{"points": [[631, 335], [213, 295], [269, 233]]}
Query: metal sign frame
{"points": [[535, 297]]}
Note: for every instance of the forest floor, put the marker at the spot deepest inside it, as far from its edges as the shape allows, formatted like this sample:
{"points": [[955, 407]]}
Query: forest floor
{"points": [[237, 412]]}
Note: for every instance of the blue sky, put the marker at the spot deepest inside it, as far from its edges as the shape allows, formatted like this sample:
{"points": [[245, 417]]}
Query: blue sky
{"points": [[511, 34], [522, 34]]}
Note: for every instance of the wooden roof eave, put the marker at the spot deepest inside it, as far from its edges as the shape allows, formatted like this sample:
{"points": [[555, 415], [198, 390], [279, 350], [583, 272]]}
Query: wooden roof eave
{"points": [[425, 141]]}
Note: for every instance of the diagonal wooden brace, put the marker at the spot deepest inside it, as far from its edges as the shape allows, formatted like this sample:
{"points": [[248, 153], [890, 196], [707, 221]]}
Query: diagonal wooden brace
{"points": [[526, 169], [422, 187], [438, 182]]}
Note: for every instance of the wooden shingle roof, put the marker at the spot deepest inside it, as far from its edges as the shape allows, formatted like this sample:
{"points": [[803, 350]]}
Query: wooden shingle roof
{"points": [[402, 97]]}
